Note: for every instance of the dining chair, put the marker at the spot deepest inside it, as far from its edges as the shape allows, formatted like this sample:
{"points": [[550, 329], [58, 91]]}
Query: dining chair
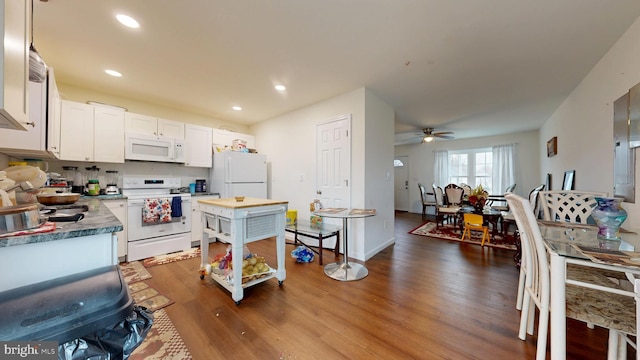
{"points": [[466, 188], [443, 211], [475, 222], [569, 205], [454, 194], [427, 199], [508, 219], [500, 198], [598, 307]]}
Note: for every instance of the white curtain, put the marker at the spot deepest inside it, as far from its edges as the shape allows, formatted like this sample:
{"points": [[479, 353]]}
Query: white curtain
{"points": [[503, 167], [441, 168]]}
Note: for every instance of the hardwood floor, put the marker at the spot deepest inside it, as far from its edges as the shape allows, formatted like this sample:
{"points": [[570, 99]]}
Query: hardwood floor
{"points": [[423, 299]]}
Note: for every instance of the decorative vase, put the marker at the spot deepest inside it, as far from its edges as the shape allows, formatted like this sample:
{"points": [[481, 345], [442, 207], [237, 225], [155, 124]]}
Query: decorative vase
{"points": [[479, 205], [609, 216]]}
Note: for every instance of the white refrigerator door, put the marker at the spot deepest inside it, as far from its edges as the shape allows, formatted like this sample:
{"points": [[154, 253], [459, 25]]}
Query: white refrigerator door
{"points": [[254, 190], [245, 168]]}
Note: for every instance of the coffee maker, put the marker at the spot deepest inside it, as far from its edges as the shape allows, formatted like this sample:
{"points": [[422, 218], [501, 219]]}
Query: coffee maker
{"points": [[112, 183]]}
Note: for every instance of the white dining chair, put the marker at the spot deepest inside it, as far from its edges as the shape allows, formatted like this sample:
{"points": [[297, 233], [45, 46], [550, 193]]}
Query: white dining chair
{"points": [[568, 205], [509, 218], [584, 304]]}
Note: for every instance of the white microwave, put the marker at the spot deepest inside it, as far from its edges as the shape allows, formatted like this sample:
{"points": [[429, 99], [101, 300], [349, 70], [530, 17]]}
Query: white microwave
{"points": [[152, 148]]}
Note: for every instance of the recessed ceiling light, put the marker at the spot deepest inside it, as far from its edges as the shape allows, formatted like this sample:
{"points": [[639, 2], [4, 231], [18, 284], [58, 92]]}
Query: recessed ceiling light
{"points": [[127, 21], [237, 108], [113, 73], [280, 87]]}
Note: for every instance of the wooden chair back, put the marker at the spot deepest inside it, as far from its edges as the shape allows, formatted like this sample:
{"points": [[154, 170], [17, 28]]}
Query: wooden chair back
{"points": [[454, 194]]}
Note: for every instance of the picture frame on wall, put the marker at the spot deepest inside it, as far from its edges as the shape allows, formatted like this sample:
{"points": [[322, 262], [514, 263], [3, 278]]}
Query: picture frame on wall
{"points": [[552, 146]]}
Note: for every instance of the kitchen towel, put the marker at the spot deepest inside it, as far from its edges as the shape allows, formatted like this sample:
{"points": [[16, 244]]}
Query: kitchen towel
{"points": [[176, 206], [156, 210]]}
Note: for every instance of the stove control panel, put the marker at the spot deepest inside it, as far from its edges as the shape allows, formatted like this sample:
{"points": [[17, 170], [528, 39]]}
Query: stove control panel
{"points": [[150, 183]]}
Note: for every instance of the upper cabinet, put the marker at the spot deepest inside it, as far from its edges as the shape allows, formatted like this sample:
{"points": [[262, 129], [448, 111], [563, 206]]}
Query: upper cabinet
{"points": [[222, 138], [43, 139], [197, 143], [91, 133], [14, 65], [144, 124], [53, 115]]}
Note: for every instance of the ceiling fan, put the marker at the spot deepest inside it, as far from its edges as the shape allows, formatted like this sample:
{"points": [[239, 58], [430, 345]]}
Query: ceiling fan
{"points": [[429, 135]]}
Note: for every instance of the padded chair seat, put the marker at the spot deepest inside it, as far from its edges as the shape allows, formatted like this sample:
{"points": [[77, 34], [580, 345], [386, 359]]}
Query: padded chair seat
{"points": [[449, 209]]}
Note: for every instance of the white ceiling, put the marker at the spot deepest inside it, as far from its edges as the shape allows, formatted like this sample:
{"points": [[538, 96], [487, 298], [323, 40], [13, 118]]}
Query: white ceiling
{"points": [[474, 67]]}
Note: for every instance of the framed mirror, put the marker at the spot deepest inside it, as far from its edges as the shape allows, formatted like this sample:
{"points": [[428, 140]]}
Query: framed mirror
{"points": [[634, 116], [568, 183], [624, 159]]}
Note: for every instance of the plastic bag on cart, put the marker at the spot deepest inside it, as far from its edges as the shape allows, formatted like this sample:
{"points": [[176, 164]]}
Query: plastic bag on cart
{"points": [[113, 343]]}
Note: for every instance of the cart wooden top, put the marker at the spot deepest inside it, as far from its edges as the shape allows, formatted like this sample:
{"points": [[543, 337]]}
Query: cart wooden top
{"points": [[246, 203]]}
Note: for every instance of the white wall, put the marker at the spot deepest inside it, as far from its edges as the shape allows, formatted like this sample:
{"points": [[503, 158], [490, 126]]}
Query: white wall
{"points": [[378, 175], [421, 159], [584, 123], [290, 145]]}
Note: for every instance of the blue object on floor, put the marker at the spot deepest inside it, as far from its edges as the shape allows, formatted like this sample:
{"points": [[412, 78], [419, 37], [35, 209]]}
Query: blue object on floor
{"points": [[302, 254]]}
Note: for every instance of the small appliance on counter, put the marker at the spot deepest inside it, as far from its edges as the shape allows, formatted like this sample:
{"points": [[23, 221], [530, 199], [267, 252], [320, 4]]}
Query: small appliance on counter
{"points": [[112, 183], [93, 184]]}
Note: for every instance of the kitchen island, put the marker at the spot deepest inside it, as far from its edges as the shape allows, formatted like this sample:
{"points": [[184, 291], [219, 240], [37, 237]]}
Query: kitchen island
{"points": [[239, 223], [72, 247]]}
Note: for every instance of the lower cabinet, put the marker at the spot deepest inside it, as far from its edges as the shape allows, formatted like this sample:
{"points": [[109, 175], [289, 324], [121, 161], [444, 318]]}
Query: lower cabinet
{"points": [[197, 226], [119, 209]]}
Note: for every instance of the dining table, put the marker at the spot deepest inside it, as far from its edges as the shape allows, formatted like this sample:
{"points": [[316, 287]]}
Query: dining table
{"points": [[571, 243]]}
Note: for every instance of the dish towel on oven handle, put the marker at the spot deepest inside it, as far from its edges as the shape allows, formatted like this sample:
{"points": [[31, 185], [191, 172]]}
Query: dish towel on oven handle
{"points": [[156, 210], [176, 206]]}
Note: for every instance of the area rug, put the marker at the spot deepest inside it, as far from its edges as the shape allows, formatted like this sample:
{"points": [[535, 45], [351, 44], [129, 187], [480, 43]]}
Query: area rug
{"points": [[133, 272], [162, 342], [169, 258], [146, 296], [448, 232]]}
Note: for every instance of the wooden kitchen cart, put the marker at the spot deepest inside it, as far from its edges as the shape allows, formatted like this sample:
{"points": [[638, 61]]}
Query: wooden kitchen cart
{"points": [[239, 223]]}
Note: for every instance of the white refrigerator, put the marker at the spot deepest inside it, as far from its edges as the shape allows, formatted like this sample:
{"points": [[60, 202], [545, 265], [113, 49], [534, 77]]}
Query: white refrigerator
{"points": [[236, 173]]}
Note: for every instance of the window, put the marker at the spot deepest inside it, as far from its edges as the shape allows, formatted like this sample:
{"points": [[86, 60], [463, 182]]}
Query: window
{"points": [[472, 166], [398, 163]]}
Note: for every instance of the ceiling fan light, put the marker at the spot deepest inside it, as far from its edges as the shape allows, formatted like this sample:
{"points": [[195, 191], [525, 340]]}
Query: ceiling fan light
{"points": [[428, 138]]}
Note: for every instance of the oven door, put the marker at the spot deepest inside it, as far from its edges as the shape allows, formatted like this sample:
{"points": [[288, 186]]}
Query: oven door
{"points": [[137, 229]]}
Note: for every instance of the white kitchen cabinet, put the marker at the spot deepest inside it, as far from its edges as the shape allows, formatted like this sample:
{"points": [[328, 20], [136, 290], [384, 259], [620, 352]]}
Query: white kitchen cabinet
{"points": [[76, 131], [197, 226], [53, 115], [34, 141], [222, 138], [197, 146], [91, 133], [170, 128], [108, 136], [119, 209], [149, 125], [14, 64]]}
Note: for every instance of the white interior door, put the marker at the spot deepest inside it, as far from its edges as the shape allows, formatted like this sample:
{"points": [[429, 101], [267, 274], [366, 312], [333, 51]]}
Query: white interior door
{"points": [[401, 183], [333, 162]]}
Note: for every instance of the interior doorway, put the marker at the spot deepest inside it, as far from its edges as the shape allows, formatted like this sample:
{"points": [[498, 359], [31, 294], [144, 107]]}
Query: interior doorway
{"points": [[401, 183]]}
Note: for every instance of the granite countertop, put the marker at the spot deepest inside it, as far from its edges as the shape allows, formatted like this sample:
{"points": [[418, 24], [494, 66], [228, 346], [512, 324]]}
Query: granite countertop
{"points": [[98, 220], [204, 194]]}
